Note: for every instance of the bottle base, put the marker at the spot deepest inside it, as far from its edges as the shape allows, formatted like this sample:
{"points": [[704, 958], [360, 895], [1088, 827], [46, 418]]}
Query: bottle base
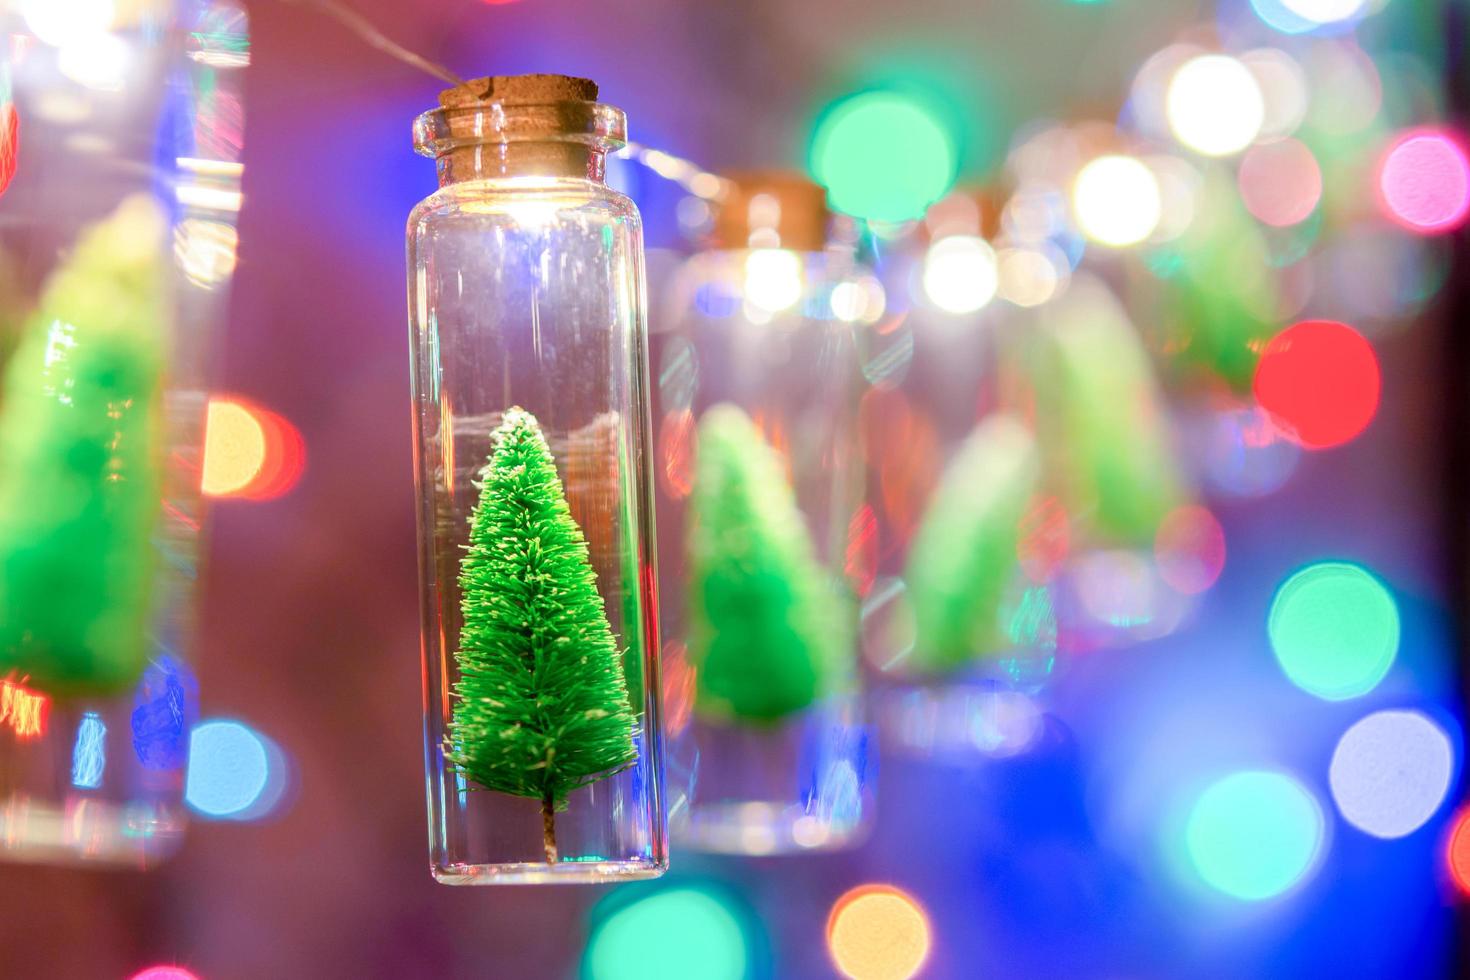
{"points": [[757, 829], [88, 831], [540, 873]]}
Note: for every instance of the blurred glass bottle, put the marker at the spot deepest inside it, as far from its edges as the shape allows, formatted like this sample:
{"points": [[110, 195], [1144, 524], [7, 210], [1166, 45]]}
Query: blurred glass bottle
{"points": [[123, 140], [526, 291], [958, 629], [757, 407]]}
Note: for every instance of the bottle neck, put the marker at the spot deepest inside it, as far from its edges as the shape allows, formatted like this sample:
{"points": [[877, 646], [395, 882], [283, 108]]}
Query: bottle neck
{"points": [[522, 158]]}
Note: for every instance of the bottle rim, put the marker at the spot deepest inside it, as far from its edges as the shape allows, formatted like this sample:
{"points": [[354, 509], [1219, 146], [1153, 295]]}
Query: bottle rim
{"points": [[443, 130]]}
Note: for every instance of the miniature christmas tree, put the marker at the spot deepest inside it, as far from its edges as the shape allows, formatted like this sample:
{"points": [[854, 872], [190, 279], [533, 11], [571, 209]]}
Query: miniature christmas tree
{"points": [[766, 635], [1099, 409], [964, 554], [80, 463], [541, 707]]}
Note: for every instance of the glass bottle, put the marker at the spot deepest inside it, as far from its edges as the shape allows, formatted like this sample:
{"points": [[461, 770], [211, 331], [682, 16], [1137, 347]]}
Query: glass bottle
{"points": [[119, 235], [528, 342], [759, 467]]}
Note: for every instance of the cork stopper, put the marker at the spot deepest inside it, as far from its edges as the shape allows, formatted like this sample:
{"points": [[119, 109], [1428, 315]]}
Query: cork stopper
{"points": [[520, 90], [520, 125], [966, 211], [773, 209]]}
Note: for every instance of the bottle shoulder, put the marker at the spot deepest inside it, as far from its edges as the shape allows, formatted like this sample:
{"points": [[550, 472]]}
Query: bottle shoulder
{"points": [[509, 201]]}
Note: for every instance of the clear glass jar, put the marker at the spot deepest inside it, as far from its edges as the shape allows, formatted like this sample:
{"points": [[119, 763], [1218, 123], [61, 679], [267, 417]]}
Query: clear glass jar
{"points": [[526, 292], [118, 231], [959, 629], [757, 408]]}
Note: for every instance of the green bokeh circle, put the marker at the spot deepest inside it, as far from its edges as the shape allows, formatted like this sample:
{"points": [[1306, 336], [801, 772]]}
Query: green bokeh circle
{"points": [[1252, 835], [882, 156], [1334, 628]]}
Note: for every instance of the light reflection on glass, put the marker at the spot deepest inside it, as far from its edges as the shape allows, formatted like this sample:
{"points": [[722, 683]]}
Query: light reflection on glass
{"points": [[89, 754]]}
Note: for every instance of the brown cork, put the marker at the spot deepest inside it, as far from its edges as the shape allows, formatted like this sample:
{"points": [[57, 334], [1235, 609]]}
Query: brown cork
{"points": [[966, 211], [510, 125], [520, 90], [773, 209]]}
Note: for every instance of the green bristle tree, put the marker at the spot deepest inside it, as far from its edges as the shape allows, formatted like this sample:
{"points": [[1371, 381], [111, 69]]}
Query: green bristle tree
{"points": [[80, 460], [964, 554], [767, 636], [541, 706]]}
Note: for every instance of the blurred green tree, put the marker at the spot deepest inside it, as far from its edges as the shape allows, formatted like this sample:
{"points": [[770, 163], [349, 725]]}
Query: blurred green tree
{"points": [[80, 463], [964, 554], [767, 636]]}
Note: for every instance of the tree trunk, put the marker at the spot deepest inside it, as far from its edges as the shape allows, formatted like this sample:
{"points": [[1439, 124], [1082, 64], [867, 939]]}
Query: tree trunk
{"points": [[548, 827]]}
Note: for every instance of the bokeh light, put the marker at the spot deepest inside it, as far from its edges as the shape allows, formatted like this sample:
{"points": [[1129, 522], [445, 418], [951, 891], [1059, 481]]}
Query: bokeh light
{"points": [[61, 22], [1334, 628], [1181, 187], [230, 774], [859, 300], [1424, 181], [1189, 549], [1246, 455], [878, 932], [960, 274], [1346, 71], [1319, 381], [1280, 182], [1390, 772], [1457, 850], [1324, 11], [882, 156], [678, 934], [1284, 89], [1116, 200], [249, 452], [97, 61], [164, 973], [1252, 835], [234, 448], [1274, 13], [1029, 276], [1147, 95], [1214, 105], [773, 279], [1124, 595]]}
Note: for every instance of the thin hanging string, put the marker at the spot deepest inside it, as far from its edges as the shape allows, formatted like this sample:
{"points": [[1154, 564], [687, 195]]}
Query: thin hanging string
{"points": [[688, 175], [363, 28]]}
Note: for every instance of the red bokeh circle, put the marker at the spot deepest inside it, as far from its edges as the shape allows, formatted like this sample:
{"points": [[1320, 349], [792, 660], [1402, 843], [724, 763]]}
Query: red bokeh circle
{"points": [[1457, 850], [1319, 381]]}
